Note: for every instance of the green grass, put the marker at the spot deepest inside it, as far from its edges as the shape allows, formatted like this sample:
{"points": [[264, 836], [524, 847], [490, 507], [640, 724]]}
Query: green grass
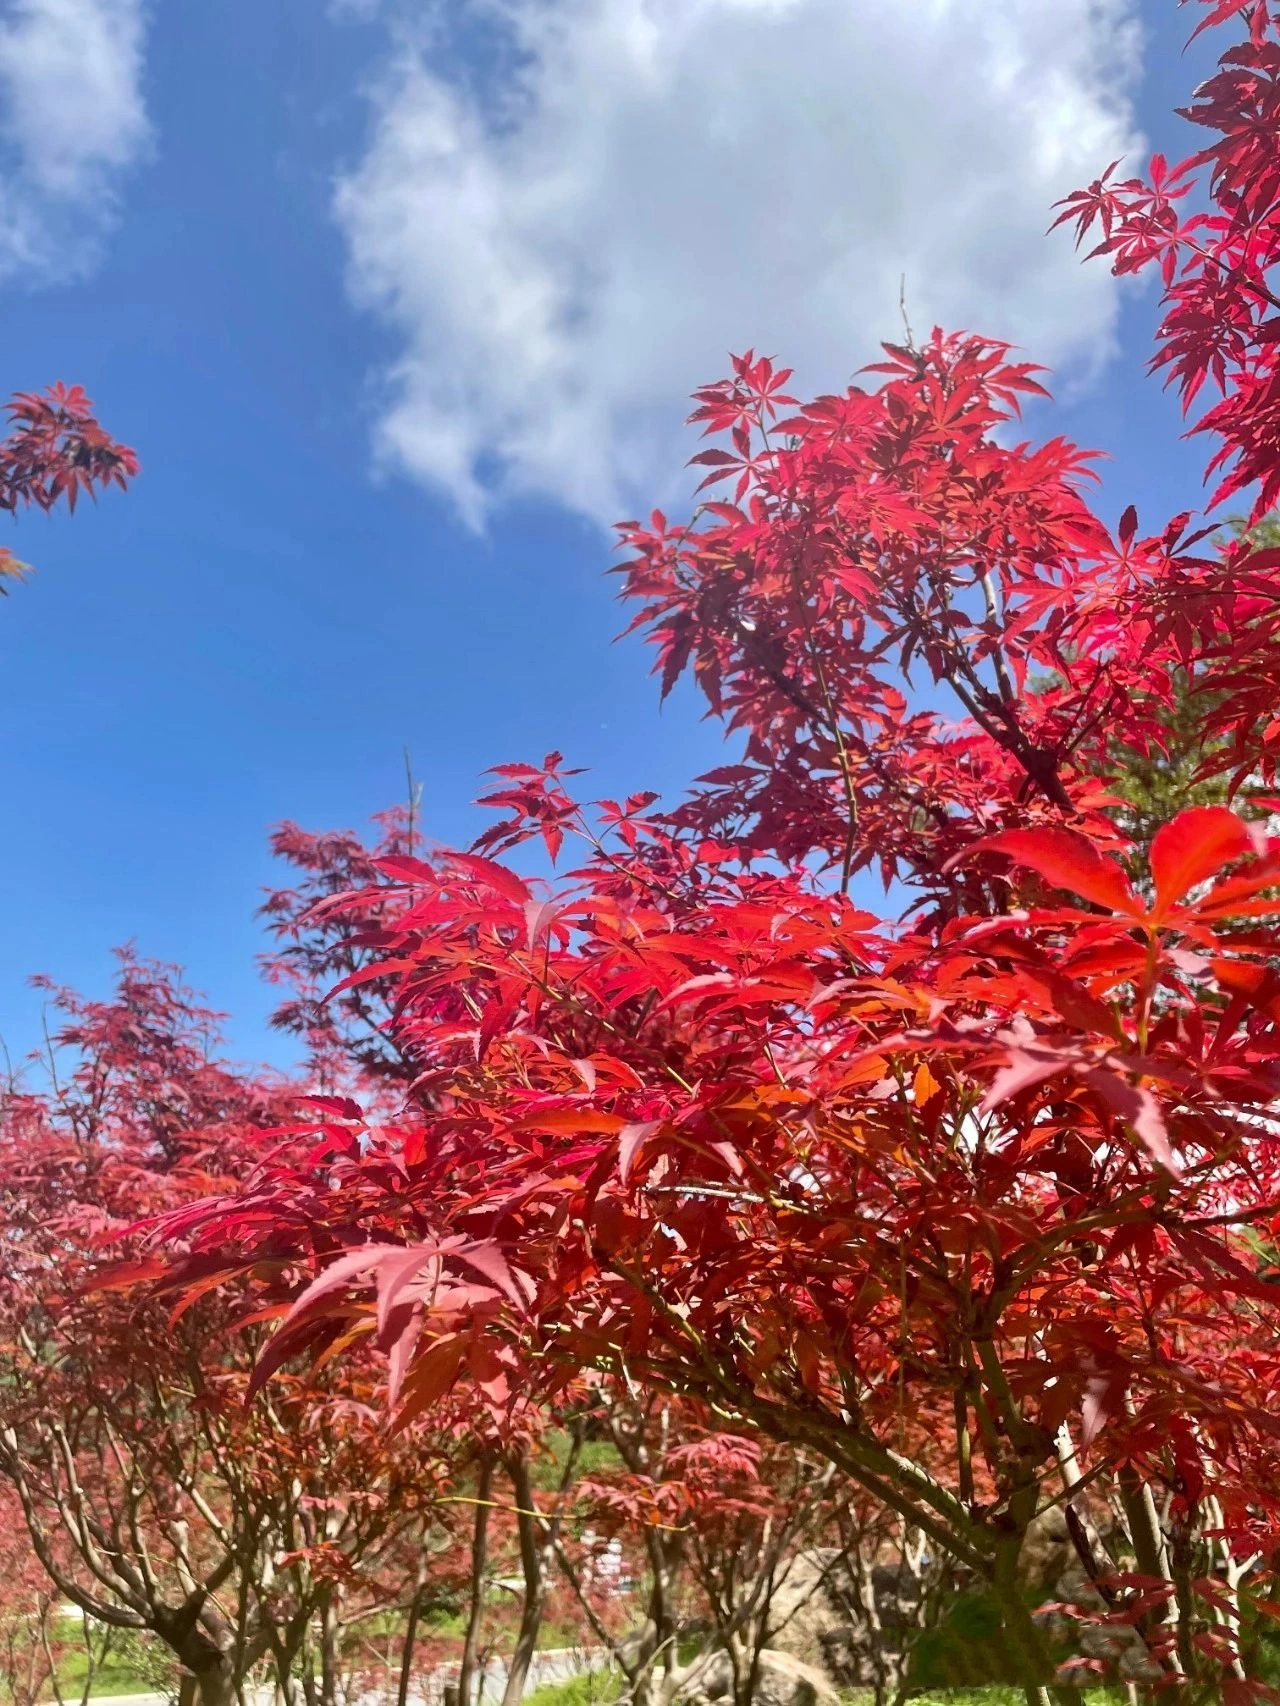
{"points": [[117, 1674], [595, 1456], [986, 1697], [452, 1625], [440, 1623], [595, 1688], [603, 1687]]}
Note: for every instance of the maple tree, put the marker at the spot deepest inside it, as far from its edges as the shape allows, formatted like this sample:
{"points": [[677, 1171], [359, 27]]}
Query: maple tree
{"points": [[687, 1115], [34, 1636], [636, 1503], [713, 1527], [153, 1499]]}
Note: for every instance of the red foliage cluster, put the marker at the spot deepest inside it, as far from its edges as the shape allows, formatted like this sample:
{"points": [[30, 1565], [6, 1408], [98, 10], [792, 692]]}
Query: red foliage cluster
{"points": [[56, 450]]}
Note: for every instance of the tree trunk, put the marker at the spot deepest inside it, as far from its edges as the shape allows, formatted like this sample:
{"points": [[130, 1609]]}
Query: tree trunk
{"points": [[410, 1637], [535, 1583], [657, 1649], [1025, 1642], [328, 1655], [479, 1565], [1152, 1556], [744, 1658], [657, 1644], [215, 1683], [539, 1536]]}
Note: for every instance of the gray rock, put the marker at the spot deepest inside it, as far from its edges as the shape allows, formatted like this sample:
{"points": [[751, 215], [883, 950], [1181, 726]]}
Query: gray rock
{"points": [[783, 1680], [856, 1631]]}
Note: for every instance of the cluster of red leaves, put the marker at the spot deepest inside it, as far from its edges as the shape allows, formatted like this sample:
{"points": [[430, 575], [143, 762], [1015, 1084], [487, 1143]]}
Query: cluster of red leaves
{"points": [[730, 1127], [55, 451], [887, 542], [1220, 330], [687, 1115]]}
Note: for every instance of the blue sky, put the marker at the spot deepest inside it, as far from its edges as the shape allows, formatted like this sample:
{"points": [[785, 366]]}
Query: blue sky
{"points": [[398, 303]]}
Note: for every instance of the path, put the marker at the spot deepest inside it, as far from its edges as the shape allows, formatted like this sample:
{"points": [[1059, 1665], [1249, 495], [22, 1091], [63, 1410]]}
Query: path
{"points": [[550, 1664]]}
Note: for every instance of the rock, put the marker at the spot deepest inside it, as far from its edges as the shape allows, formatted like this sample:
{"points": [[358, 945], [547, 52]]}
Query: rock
{"points": [[1049, 1565], [783, 1680], [1116, 1645], [636, 1642], [811, 1622], [1046, 1553], [837, 1629], [856, 1632]]}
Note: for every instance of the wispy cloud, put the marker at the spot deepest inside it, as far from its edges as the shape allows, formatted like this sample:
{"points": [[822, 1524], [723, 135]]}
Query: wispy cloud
{"points": [[563, 246], [72, 121]]}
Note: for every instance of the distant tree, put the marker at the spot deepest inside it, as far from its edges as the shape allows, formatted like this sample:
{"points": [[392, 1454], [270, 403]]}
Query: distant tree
{"points": [[337, 1000], [36, 1635], [241, 1537], [711, 1524]]}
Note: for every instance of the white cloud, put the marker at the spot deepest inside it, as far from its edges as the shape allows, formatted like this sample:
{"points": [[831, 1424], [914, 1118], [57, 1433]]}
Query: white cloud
{"points": [[72, 120], [563, 246]]}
